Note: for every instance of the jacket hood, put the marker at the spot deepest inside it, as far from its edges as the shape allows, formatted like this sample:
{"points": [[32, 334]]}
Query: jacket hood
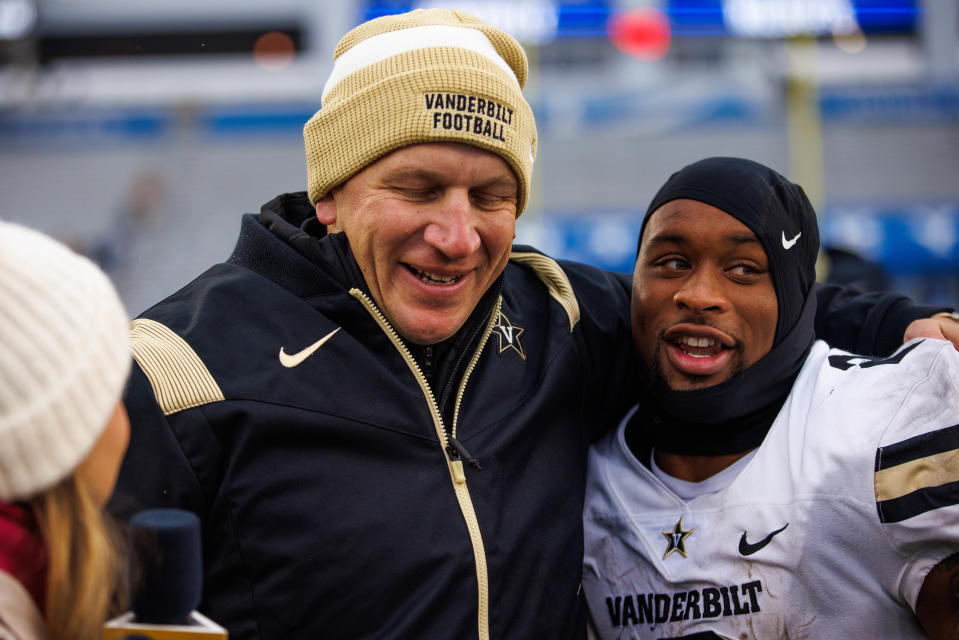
{"points": [[307, 261]]}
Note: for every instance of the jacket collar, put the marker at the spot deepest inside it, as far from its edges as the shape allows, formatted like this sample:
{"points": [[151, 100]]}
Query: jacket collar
{"points": [[287, 244]]}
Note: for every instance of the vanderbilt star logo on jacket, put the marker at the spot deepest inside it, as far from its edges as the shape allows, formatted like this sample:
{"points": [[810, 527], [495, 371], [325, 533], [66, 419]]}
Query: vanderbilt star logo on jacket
{"points": [[677, 539], [508, 335]]}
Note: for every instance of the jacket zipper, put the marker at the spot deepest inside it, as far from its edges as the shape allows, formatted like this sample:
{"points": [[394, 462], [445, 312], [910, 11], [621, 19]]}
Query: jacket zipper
{"points": [[489, 324], [454, 451], [494, 317]]}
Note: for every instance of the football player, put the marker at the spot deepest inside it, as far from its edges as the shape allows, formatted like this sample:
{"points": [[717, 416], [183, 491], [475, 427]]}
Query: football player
{"points": [[766, 486]]}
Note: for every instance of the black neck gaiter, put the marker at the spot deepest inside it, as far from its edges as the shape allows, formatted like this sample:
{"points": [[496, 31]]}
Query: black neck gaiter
{"points": [[730, 417], [735, 415]]}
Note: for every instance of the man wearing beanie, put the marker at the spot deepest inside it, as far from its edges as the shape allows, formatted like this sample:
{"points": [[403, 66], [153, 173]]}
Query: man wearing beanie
{"points": [[767, 486], [379, 408]]}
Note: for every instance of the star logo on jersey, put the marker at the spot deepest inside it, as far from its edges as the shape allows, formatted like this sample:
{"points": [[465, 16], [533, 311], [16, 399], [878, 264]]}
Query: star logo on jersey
{"points": [[677, 539], [508, 335]]}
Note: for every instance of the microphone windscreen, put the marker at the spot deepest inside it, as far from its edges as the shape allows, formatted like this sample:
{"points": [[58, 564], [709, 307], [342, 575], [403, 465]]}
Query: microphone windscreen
{"points": [[167, 578]]}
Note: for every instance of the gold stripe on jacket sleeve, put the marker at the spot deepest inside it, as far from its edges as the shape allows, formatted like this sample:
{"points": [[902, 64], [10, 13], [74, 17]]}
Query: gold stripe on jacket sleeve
{"points": [[179, 378], [553, 276]]}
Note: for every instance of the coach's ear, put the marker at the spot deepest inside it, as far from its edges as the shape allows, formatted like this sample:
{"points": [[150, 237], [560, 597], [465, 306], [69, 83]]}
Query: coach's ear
{"points": [[326, 212], [941, 326], [937, 606]]}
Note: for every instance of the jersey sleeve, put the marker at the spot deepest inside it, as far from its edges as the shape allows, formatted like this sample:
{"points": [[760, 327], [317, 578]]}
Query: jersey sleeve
{"points": [[916, 476]]}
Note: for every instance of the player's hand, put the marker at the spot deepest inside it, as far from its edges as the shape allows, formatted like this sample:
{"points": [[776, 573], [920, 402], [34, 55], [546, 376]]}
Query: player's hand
{"points": [[942, 326]]}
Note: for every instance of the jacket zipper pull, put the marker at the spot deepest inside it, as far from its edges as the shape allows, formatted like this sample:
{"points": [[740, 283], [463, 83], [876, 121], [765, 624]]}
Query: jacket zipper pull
{"points": [[456, 450], [428, 362]]}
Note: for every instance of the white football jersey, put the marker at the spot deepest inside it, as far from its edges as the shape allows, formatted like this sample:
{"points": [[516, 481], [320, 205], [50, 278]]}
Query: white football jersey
{"points": [[827, 532]]}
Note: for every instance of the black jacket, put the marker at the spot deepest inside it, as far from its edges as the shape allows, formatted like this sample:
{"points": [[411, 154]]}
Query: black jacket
{"points": [[328, 500], [332, 501]]}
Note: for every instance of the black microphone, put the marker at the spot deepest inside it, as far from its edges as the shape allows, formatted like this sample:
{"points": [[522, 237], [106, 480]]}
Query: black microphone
{"points": [[166, 580]]}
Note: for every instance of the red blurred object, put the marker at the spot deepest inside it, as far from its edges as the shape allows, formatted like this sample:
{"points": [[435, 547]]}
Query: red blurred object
{"points": [[273, 51], [643, 33]]}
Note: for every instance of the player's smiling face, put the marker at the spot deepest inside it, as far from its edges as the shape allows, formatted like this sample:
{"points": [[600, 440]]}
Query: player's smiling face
{"points": [[431, 227], [703, 306]]}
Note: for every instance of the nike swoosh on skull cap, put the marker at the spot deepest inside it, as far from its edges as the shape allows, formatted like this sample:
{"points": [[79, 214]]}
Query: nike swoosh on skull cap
{"points": [[788, 244]]}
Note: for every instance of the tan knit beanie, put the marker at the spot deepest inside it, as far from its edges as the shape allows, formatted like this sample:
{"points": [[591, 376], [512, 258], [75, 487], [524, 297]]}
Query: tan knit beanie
{"points": [[64, 358], [431, 75]]}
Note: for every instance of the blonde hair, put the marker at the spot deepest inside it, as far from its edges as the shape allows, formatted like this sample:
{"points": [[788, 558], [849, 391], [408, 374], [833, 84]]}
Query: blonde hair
{"points": [[86, 581]]}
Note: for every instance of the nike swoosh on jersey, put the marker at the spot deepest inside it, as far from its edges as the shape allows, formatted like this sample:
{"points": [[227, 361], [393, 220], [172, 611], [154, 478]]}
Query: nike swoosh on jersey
{"points": [[788, 244], [749, 548], [292, 360]]}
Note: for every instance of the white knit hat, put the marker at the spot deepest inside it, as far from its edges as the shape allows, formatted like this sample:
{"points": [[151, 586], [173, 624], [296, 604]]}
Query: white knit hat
{"points": [[64, 358]]}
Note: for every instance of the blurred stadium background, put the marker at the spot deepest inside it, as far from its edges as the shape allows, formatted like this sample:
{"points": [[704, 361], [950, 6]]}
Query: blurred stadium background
{"points": [[139, 131]]}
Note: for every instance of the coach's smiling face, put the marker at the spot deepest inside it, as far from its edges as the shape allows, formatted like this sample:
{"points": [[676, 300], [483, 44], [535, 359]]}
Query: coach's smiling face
{"points": [[431, 227], [703, 305]]}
